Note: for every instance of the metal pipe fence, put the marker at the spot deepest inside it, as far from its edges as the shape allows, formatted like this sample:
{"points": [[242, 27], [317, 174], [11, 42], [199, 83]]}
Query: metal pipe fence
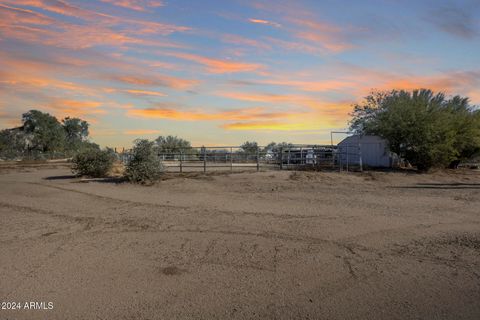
{"points": [[234, 158]]}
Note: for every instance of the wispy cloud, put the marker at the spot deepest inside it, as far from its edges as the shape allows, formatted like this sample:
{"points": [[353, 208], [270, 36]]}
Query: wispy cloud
{"points": [[99, 29], [261, 97], [327, 35], [155, 80], [266, 126], [145, 93], [218, 66], [265, 22], [138, 5], [136, 92], [455, 20], [179, 115], [243, 41]]}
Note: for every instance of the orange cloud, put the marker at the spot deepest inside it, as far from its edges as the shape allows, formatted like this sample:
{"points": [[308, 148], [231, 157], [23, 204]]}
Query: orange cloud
{"points": [[100, 29], [172, 114], [298, 122], [313, 86], [327, 35], [218, 66], [328, 42], [78, 104], [24, 16], [158, 80], [263, 125], [30, 82], [146, 93]]}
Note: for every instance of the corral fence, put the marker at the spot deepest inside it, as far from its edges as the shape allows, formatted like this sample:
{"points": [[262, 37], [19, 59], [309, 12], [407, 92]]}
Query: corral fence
{"points": [[234, 158]]}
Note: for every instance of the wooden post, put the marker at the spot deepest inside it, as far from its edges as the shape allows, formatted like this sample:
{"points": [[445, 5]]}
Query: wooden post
{"points": [[231, 159]]}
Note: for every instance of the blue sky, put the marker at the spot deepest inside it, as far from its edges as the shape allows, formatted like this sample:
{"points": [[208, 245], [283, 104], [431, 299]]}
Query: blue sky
{"points": [[222, 72]]}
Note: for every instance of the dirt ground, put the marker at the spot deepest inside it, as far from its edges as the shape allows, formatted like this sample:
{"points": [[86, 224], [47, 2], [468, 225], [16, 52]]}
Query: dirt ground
{"points": [[268, 245]]}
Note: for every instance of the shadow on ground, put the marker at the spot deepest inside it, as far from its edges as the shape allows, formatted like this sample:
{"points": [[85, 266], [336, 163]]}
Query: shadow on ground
{"points": [[77, 179], [441, 186], [65, 177]]}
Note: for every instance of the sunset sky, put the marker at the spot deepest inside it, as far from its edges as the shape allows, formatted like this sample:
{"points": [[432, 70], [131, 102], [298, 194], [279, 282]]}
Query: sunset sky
{"points": [[222, 72]]}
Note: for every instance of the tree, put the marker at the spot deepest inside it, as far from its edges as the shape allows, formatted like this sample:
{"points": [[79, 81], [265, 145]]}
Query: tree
{"points": [[76, 132], [421, 126], [273, 146], [466, 123], [172, 144], [47, 134], [249, 147]]}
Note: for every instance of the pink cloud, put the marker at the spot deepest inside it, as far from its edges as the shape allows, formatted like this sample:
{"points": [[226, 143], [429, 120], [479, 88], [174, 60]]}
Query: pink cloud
{"points": [[138, 5]]}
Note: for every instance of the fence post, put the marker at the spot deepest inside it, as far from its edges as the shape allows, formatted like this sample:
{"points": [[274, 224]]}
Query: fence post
{"points": [[181, 161], [281, 158], [258, 159], [288, 159], [204, 160], [334, 154], [231, 159]]}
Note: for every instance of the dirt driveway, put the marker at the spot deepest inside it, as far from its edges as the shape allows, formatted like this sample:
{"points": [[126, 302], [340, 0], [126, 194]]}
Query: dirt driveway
{"points": [[268, 245]]}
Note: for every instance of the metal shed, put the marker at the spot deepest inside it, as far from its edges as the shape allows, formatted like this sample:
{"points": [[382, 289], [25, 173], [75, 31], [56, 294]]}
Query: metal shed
{"points": [[370, 151]]}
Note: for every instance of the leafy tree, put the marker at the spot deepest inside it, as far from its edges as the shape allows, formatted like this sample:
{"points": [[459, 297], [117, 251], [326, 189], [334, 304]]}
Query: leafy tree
{"points": [[76, 132], [249, 147], [144, 165], [172, 144], [465, 121], [47, 134], [421, 126]]}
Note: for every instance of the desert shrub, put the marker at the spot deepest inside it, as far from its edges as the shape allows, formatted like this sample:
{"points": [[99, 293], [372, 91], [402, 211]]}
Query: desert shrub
{"points": [[93, 163], [144, 165]]}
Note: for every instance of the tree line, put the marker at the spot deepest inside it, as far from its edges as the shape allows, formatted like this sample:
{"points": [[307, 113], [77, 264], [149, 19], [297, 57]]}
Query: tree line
{"points": [[424, 128]]}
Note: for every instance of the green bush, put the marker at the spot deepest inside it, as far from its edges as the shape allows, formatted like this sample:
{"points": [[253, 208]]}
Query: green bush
{"points": [[144, 166], [93, 163]]}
